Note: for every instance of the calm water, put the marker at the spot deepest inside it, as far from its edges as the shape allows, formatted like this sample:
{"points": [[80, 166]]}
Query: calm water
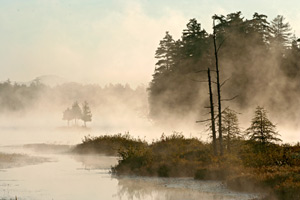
{"points": [[69, 177]]}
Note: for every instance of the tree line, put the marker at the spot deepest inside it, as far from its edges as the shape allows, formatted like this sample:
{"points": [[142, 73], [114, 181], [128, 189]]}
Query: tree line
{"points": [[16, 97], [261, 58], [77, 113], [34, 97]]}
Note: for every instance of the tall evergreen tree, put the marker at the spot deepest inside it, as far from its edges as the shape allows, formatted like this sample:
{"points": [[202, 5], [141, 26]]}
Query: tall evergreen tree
{"points": [[193, 38], [258, 29], [281, 33], [165, 54], [194, 48]]}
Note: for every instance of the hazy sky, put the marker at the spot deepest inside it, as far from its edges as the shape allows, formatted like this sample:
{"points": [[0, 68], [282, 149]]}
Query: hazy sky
{"points": [[102, 41]]}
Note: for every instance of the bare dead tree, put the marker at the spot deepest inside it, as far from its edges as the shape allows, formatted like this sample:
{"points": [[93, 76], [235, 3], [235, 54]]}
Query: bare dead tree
{"points": [[218, 89], [213, 128], [212, 112]]}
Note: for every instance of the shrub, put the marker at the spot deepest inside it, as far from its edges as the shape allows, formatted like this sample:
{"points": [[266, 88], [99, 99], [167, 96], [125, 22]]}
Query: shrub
{"points": [[163, 171], [107, 144]]}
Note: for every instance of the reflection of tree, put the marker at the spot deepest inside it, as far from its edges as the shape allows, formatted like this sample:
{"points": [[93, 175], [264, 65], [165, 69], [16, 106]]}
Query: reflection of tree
{"points": [[134, 189], [174, 189]]}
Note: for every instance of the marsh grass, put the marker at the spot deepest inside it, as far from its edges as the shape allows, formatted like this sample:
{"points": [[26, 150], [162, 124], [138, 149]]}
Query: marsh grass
{"points": [[107, 144], [249, 166]]}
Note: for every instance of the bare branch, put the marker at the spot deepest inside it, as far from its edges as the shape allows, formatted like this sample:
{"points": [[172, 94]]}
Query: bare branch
{"points": [[230, 98], [199, 81], [206, 113], [225, 109], [231, 110], [204, 71], [200, 71], [225, 81], [201, 121]]}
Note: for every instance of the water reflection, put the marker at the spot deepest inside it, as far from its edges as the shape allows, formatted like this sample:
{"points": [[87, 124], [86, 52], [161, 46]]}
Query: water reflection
{"points": [[95, 161], [135, 188]]}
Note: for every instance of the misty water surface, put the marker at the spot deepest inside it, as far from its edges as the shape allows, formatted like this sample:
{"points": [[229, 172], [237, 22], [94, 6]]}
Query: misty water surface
{"points": [[67, 177], [70, 177]]}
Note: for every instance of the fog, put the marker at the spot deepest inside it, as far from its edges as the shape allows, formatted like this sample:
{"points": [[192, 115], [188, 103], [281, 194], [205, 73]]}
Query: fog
{"points": [[34, 113], [119, 109], [93, 56]]}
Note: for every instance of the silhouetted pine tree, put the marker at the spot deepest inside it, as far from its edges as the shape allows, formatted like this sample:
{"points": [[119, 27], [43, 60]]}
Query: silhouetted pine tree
{"points": [[262, 129], [281, 32]]}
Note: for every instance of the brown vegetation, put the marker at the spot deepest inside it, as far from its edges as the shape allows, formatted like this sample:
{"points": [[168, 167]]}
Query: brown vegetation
{"points": [[107, 144], [249, 166]]}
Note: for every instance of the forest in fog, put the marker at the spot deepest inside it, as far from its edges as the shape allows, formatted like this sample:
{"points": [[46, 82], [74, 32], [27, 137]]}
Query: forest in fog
{"points": [[26, 98], [259, 63], [259, 66]]}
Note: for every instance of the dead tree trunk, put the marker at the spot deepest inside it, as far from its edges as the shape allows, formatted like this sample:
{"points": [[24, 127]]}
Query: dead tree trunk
{"points": [[213, 128], [219, 91]]}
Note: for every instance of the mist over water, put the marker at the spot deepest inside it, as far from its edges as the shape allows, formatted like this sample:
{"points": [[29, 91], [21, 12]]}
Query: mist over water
{"points": [[115, 109], [42, 122], [62, 176], [68, 177]]}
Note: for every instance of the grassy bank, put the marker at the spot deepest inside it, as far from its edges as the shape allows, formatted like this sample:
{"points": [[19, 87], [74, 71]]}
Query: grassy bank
{"points": [[248, 166]]}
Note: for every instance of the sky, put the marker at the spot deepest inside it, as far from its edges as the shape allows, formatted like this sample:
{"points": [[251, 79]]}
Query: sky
{"points": [[101, 41]]}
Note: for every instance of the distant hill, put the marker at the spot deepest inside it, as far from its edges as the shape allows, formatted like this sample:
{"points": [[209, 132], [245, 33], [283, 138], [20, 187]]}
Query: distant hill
{"points": [[50, 80]]}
